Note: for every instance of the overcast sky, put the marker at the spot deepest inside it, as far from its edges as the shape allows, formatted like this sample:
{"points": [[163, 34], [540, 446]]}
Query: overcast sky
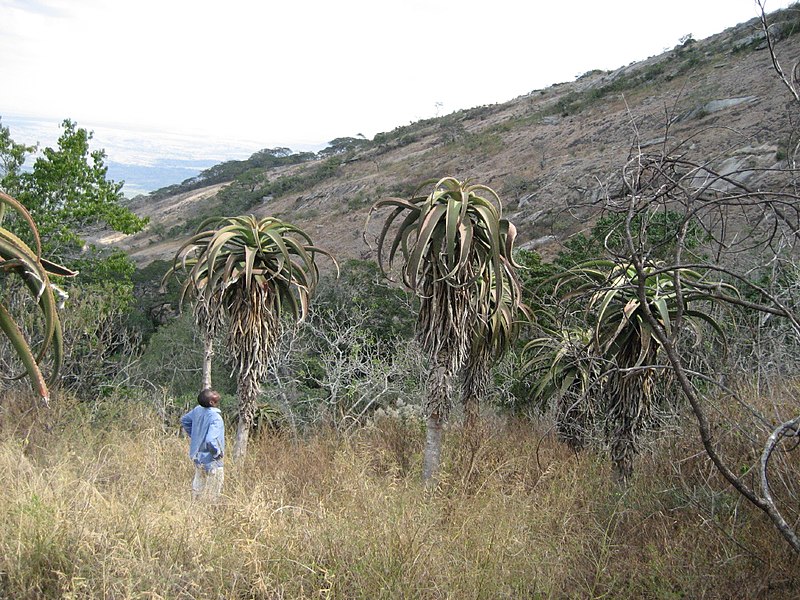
{"points": [[302, 72]]}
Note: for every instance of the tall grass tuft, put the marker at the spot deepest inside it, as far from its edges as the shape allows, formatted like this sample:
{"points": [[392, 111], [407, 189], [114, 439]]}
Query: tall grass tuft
{"points": [[96, 504]]}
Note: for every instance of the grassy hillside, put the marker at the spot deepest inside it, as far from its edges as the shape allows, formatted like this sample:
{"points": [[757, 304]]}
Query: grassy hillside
{"points": [[96, 505], [550, 154]]}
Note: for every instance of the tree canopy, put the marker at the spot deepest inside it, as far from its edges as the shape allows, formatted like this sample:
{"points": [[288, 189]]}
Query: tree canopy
{"points": [[66, 190]]}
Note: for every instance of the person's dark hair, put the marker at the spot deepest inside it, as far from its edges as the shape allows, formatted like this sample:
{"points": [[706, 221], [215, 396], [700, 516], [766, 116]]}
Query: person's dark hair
{"points": [[206, 396]]}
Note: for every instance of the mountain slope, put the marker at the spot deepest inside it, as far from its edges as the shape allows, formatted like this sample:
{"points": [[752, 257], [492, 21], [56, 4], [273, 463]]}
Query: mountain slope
{"points": [[549, 154]]}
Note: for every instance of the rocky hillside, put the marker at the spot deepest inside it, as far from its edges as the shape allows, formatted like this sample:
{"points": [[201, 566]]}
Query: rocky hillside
{"points": [[549, 153]]}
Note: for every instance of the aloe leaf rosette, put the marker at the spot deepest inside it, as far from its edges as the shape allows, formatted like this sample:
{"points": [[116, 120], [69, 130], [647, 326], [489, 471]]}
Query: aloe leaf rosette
{"points": [[629, 311], [560, 362], [618, 311], [248, 272], [456, 251]]}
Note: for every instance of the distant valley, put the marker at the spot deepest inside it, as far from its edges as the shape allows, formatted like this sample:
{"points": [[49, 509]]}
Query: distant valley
{"points": [[143, 179], [144, 160]]}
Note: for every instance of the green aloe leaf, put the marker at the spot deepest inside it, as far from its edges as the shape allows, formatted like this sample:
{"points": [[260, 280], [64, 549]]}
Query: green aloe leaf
{"points": [[16, 258], [21, 347]]}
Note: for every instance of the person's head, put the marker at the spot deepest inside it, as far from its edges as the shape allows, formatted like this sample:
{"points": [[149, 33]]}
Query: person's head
{"points": [[208, 398]]}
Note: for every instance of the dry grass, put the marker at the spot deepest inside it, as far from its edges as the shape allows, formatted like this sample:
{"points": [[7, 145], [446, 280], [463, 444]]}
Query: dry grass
{"points": [[97, 506]]}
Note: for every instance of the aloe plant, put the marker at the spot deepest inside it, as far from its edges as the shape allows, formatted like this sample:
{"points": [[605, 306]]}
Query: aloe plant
{"points": [[246, 274], [19, 260], [618, 296], [566, 371], [456, 252], [492, 335]]}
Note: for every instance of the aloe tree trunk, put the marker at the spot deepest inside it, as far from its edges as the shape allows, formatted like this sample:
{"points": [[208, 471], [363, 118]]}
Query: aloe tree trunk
{"points": [[247, 390], [629, 403], [437, 406], [623, 413], [472, 409], [573, 419], [433, 449], [208, 357], [477, 379]]}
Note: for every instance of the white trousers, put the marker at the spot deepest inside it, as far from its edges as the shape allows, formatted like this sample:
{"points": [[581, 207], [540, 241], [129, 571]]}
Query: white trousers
{"points": [[207, 485]]}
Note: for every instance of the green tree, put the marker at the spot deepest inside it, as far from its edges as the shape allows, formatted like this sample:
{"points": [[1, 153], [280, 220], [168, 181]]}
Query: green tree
{"points": [[362, 286], [12, 157], [247, 274], [654, 233], [456, 252], [66, 191], [342, 145]]}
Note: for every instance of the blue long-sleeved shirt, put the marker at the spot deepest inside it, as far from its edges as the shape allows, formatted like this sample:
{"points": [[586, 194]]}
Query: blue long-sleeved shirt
{"points": [[207, 434]]}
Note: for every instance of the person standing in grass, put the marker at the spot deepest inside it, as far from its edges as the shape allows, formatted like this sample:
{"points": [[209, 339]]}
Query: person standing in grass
{"points": [[206, 433]]}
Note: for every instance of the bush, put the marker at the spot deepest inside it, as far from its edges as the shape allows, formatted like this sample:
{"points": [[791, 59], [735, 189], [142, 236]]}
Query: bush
{"points": [[173, 360]]}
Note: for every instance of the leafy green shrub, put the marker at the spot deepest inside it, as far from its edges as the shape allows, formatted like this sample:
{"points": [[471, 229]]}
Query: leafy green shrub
{"points": [[485, 142], [358, 201], [66, 191], [361, 285], [100, 346], [343, 145], [173, 359], [693, 61], [99, 266], [655, 232], [652, 71]]}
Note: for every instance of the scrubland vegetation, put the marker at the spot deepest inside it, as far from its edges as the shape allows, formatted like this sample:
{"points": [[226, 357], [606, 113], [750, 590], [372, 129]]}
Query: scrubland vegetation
{"points": [[618, 421], [96, 505]]}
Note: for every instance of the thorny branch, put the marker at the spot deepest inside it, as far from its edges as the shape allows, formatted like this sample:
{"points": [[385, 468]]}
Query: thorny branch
{"points": [[744, 220], [787, 429], [650, 183]]}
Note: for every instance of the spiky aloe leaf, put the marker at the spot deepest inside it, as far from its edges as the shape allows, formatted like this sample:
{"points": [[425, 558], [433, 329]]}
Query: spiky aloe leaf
{"points": [[20, 345], [559, 362], [18, 259], [452, 235]]}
